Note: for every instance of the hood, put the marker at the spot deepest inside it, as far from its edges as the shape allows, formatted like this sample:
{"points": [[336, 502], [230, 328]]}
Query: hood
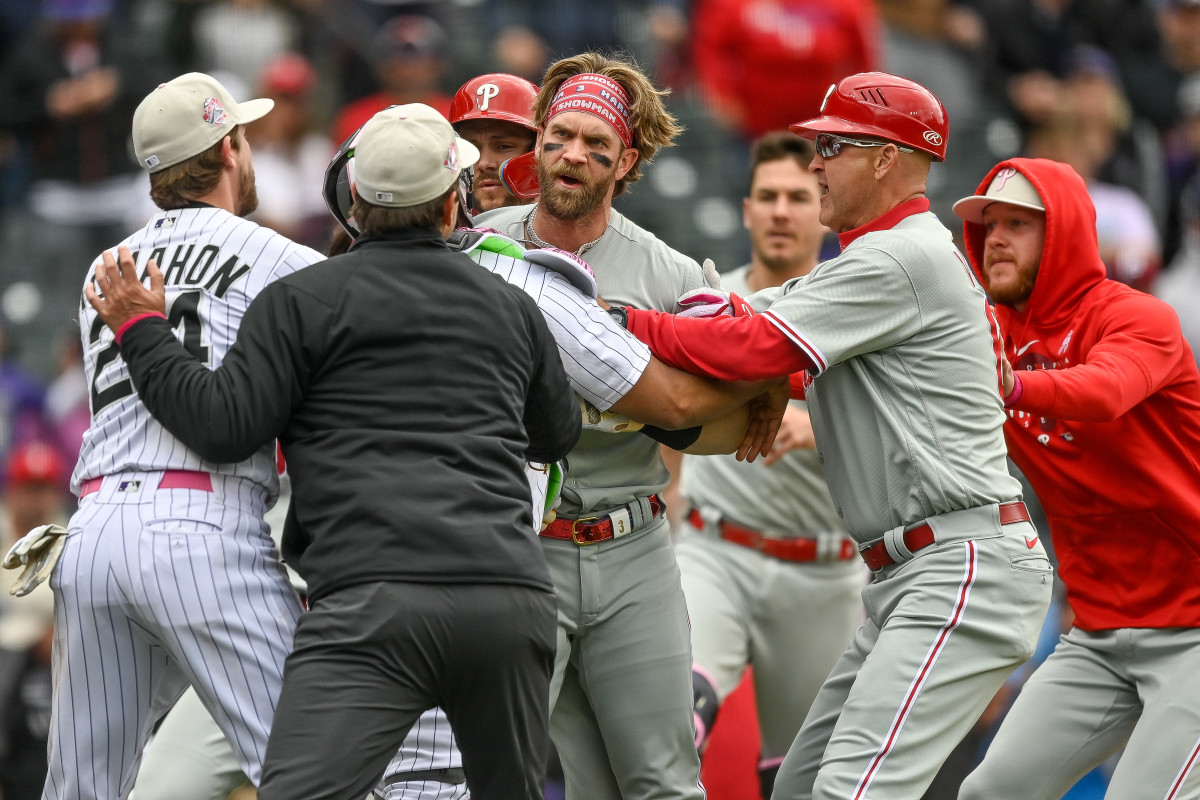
{"points": [[1071, 263]]}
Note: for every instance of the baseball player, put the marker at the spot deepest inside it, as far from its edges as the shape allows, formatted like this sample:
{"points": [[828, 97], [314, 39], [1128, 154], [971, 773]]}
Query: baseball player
{"points": [[494, 112], [762, 540], [902, 380], [167, 576], [621, 691], [189, 758], [1104, 420], [410, 515]]}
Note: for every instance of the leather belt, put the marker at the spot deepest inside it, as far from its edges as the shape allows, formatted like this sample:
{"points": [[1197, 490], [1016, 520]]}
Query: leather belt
{"points": [[920, 537], [799, 549], [171, 479], [591, 530]]}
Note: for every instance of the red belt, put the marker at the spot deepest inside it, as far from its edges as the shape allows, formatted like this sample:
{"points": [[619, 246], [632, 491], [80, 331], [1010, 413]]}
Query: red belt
{"points": [[799, 549], [920, 537], [590, 530], [171, 479]]}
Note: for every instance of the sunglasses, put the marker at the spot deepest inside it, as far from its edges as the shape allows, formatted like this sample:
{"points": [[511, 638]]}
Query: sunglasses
{"points": [[829, 145]]}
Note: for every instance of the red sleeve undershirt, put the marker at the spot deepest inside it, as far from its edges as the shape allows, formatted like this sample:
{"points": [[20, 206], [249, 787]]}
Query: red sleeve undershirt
{"points": [[726, 348]]}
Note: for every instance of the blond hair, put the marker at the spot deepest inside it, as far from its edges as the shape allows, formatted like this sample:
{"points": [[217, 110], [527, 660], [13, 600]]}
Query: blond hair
{"points": [[654, 127]]}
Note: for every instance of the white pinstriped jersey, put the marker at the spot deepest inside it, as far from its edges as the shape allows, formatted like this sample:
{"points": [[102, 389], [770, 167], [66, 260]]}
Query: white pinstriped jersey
{"points": [[633, 268], [214, 264], [603, 360]]}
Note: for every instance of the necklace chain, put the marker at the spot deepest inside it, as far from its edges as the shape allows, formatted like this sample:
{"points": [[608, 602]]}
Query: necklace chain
{"points": [[540, 242]]}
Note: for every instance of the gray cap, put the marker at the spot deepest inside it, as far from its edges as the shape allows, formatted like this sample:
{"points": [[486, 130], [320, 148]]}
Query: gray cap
{"points": [[185, 117]]}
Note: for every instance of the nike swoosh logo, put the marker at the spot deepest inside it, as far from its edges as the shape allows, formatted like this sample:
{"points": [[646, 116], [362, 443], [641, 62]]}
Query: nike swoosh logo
{"points": [[1021, 352], [1030, 542]]}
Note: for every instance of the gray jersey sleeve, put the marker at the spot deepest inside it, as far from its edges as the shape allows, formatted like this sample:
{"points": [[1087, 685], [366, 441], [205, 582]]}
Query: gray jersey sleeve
{"points": [[856, 304]]}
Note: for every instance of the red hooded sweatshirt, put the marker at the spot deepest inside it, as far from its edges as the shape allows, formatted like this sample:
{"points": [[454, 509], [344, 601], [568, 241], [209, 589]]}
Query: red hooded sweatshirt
{"points": [[1107, 426]]}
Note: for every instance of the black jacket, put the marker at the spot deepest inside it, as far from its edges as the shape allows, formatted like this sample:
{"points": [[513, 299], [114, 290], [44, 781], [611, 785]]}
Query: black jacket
{"points": [[408, 386]]}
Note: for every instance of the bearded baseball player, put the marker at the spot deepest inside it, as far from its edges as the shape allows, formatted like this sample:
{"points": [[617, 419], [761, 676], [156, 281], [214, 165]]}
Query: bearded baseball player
{"points": [[621, 691], [902, 366], [167, 576], [762, 540], [1104, 420], [493, 112]]}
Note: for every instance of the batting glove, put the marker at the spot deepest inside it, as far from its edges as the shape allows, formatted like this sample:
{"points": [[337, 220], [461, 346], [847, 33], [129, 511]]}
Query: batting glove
{"points": [[38, 552], [605, 421], [712, 303]]}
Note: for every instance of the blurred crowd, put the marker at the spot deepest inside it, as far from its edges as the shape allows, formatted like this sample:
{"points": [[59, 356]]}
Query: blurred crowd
{"points": [[1111, 87]]}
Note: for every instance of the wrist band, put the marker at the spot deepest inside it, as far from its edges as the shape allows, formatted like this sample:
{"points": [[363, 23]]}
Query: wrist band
{"points": [[129, 323], [1014, 396]]}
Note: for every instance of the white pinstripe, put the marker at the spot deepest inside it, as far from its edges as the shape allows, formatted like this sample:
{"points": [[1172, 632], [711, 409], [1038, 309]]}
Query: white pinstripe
{"points": [[603, 361], [159, 588]]}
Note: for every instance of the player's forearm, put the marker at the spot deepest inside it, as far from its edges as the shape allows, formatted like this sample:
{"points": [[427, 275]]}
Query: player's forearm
{"points": [[726, 348], [670, 398], [1096, 392], [199, 407], [723, 435]]}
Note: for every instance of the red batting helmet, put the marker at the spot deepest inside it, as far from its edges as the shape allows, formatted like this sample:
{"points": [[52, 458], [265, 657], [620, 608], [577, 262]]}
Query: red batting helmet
{"points": [[496, 95], [883, 106]]}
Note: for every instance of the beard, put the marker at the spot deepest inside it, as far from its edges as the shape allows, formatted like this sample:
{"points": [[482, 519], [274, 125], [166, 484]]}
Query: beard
{"points": [[247, 192], [1011, 292], [575, 204]]}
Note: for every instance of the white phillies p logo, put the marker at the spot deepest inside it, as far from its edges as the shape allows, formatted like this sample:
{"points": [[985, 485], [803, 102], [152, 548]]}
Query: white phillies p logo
{"points": [[486, 92]]}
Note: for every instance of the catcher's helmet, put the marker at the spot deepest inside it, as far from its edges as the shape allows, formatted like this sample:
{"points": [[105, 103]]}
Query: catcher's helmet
{"points": [[496, 95], [883, 106], [339, 175]]}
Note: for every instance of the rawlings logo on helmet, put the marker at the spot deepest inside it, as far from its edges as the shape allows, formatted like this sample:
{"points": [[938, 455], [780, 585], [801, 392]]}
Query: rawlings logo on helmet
{"points": [[933, 137]]}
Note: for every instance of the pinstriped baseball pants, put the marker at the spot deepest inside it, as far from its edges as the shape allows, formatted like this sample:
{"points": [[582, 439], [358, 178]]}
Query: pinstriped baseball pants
{"points": [[157, 589]]}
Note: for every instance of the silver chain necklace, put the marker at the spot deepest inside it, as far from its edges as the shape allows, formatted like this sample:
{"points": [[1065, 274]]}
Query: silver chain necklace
{"points": [[537, 240]]}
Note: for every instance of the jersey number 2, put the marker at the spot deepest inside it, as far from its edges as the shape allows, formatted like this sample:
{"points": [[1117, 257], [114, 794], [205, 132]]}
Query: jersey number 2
{"points": [[184, 314]]}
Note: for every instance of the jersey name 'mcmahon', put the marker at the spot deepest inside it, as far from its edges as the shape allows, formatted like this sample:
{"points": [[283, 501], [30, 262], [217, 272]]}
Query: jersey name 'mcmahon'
{"points": [[214, 264]]}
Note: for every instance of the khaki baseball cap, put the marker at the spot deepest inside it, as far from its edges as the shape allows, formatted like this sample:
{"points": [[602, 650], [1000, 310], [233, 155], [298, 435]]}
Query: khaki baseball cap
{"points": [[1008, 186], [407, 155], [185, 117]]}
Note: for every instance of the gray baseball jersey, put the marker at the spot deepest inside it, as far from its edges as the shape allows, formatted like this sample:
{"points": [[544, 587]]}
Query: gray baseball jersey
{"points": [[907, 415], [168, 577], [907, 394], [621, 692], [743, 602]]}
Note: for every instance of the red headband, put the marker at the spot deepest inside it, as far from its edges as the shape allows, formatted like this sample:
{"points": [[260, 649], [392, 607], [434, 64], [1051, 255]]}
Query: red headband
{"points": [[596, 95]]}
